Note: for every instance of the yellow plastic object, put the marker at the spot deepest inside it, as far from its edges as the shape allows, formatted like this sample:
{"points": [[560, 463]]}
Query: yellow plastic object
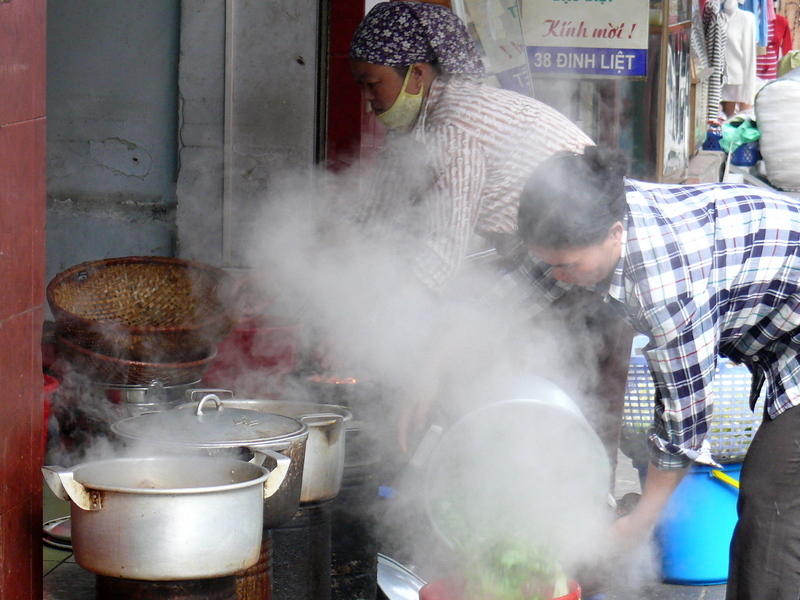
{"points": [[726, 478]]}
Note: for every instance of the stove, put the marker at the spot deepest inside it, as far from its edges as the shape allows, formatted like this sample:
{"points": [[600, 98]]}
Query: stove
{"points": [[302, 567], [256, 583], [114, 588]]}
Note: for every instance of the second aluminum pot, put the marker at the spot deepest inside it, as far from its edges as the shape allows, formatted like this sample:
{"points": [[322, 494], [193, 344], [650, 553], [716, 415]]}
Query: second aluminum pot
{"points": [[165, 518], [325, 451], [214, 428]]}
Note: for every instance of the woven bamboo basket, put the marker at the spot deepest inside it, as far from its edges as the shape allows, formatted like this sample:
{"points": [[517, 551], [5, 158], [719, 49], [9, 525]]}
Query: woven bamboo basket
{"points": [[119, 371], [142, 308]]}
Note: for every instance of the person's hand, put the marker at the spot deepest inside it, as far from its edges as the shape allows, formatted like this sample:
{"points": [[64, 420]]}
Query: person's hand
{"points": [[416, 407], [633, 530], [629, 533]]}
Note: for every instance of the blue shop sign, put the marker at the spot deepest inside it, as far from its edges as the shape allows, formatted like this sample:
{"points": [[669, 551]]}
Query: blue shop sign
{"points": [[603, 62]]}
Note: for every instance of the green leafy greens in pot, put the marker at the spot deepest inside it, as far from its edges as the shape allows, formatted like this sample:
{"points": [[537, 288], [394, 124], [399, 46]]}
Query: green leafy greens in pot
{"points": [[497, 565], [513, 570]]}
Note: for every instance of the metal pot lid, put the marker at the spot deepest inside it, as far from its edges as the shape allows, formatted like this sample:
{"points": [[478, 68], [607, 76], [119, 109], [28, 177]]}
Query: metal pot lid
{"points": [[211, 424], [527, 465], [289, 407], [293, 408], [57, 533], [396, 581]]}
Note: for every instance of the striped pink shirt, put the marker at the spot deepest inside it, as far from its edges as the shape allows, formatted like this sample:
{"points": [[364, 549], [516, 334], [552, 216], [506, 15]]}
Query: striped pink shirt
{"points": [[483, 142]]}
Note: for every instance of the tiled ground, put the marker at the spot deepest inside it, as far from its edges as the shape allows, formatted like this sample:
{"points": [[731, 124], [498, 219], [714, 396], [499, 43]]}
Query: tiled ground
{"points": [[53, 509]]}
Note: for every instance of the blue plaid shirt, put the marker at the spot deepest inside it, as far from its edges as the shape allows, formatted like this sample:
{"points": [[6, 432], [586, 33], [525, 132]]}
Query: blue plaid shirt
{"points": [[705, 270]]}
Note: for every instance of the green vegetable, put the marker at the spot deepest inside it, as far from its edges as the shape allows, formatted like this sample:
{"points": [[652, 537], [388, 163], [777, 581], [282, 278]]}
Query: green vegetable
{"points": [[513, 570], [498, 566]]}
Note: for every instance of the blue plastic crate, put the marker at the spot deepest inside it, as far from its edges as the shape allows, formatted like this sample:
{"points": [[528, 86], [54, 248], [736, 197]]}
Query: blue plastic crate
{"points": [[713, 137], [746, 155], [733, 424]]}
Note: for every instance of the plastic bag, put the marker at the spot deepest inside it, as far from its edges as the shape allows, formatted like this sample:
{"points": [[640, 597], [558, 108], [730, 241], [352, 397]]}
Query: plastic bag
{"points": [[738, 131], [789, 62]]}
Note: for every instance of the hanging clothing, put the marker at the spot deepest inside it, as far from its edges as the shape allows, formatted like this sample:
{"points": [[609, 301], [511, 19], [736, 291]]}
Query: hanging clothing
{"points": [[740, 58], [763, 12], [780, 44], [698, 41], [714, 29]]}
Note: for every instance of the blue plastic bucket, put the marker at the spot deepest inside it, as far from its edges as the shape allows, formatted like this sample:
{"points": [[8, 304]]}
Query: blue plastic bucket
{"points": [[696, 526]]}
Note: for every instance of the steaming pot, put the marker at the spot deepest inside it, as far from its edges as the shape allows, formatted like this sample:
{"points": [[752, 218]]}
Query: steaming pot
{"points": [[214, 428], [526, 462], [166, 518], [327, 424]]}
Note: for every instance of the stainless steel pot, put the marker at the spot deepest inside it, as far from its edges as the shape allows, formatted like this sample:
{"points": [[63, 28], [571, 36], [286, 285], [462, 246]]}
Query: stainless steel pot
{"points": [[544, 474], [325, 450], [324, 464], [133, 400], [166, 518], [216, 429]]}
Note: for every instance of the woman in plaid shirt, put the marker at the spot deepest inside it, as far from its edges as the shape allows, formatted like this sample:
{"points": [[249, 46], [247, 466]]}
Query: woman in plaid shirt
{"points": [[704, 271]]}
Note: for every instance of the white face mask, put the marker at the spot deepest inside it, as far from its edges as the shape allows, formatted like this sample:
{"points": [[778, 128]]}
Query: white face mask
{"points": [[405, 110]]}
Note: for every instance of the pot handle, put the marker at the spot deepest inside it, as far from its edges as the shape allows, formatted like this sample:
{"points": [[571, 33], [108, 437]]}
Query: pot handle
{"points": [[208, 398], [328, 424], [65, 487], [278, 466]]}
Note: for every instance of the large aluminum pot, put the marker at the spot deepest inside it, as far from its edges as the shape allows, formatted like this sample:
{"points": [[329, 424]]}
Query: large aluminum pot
{"points": [[216, 429], [325, 450], [525, 463], [166, 518]]}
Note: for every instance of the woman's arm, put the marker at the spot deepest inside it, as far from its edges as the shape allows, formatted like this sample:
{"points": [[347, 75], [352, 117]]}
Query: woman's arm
{"points": [[634, 529]]}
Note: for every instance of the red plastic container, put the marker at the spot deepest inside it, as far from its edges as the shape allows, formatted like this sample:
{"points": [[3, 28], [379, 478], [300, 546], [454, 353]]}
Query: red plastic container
{"points": [[50, 387], [452, 589]]}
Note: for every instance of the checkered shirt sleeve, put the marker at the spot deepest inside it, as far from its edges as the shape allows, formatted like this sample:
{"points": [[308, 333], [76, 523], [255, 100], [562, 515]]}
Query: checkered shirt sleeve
{"points": [[706, 271]]}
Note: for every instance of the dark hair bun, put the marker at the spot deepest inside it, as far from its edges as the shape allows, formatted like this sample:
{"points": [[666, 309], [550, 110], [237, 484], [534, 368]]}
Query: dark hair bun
{"points": [[572, 199], [600, 159]]}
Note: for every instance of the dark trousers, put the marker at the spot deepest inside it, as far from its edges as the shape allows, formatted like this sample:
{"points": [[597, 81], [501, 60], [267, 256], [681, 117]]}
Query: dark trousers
{"points": [[765, 551]]}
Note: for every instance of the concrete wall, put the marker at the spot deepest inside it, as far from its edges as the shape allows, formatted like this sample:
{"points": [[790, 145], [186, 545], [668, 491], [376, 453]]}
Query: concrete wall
{"points": [[112, 104], [136, 146], [202, 131], [251, 108]]}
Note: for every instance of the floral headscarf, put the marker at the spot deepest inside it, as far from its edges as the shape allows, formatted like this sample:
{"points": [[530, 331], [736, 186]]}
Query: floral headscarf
{"points": [[398, 34]]}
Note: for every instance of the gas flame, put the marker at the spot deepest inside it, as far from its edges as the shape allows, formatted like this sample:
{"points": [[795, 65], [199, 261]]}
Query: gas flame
{"points": [[333, 379]]}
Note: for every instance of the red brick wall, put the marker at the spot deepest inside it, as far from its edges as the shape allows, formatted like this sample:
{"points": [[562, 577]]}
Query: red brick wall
{"points": [[22, 263]]}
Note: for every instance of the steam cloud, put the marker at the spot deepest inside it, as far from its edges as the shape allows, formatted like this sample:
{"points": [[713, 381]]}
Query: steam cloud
{"points": [[351, 282], [342, 268]]}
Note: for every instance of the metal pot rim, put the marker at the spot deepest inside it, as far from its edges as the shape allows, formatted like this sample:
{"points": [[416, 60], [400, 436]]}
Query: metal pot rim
{"points": [[260, 475], [315, 408], [219, 427]]}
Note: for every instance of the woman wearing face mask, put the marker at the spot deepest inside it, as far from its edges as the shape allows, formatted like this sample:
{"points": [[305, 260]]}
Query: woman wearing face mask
{"points": [[454, 162], [422, 75]]}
